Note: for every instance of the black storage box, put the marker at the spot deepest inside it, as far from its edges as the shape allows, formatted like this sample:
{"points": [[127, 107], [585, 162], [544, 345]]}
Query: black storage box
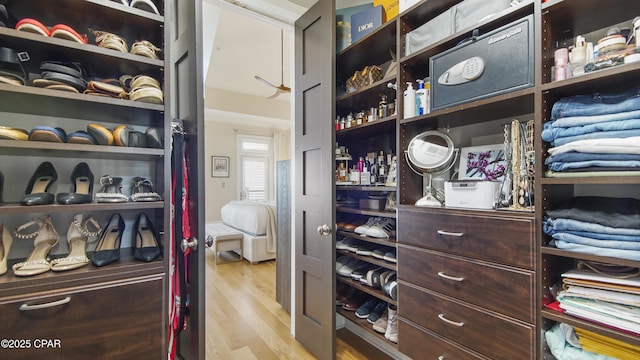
{"points": [[493, 63]]}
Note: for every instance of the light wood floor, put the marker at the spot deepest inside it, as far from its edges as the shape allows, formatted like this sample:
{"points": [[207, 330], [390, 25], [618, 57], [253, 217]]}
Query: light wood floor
{"points": [[245, 322]]}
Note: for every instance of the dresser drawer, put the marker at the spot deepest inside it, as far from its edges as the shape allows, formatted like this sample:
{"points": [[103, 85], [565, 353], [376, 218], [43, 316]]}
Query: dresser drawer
{"points": [[494, 237], [490, 334], [419, 343], [105, 321], [501, 289]]}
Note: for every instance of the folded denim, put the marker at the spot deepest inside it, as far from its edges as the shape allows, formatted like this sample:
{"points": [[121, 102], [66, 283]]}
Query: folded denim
{"points": [[607, 211], [551, 226], [619, 134], [597, 104], [594, 165], [593, 119], [555, 133], [610, 244], [600, 251], [629, 145], [579, 156]]}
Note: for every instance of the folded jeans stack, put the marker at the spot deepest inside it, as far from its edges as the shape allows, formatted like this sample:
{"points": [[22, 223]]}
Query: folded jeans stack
{"points": [[594, 133], [596, 225]]}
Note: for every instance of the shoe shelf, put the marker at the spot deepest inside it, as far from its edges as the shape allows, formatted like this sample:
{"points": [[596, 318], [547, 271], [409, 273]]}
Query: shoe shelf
{"points": [[40, 47], [367, 289], [7, 209], [363, 323], [21, 99], [381, 213], [380, 241], [12, 286], [370, 260], [48, 149]]}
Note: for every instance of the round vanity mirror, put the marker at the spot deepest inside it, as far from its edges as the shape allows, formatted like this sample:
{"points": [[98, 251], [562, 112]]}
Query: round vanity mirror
{"points": [[429, 153]]}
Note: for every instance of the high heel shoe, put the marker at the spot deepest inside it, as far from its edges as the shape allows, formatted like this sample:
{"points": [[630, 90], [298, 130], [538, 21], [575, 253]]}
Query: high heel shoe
{"points": [[108, 248], [37, 189], [147, 248], [77, 237], [5, 246], [46, 237], [82, 180]]}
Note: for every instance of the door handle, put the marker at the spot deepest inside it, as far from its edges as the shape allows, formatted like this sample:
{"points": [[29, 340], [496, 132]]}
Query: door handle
{"points": [[324, 230], [209, 242], [189, 244]]}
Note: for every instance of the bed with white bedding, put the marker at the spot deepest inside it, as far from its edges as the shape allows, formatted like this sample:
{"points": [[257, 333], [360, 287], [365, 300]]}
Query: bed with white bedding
{"points": [[256, 220]]}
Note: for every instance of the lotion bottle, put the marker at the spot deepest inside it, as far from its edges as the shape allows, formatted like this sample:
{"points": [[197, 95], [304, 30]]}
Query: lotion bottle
{"points": [[421, 98], [409, 101]]}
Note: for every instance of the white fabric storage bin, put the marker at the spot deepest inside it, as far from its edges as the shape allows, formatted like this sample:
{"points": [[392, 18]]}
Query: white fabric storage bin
{"points": [[470, 12], [429, 33]]}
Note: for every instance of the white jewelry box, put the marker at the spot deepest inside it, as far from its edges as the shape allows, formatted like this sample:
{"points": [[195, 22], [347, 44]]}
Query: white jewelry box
{"points": [[471, 194]]}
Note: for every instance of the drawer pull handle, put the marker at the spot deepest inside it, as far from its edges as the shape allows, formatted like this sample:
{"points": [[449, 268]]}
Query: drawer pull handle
{"points": [[455, 323], [448, 233], [449, 277], [26, 307], [441, 357]]}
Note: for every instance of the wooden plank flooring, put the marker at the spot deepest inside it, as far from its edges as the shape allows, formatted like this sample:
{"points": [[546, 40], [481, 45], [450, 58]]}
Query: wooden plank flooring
{"points": [[245, 322]]}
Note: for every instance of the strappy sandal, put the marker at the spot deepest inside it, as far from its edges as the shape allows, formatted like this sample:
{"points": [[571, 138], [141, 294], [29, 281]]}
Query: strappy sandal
{"points": [[77, 236], [106, 87], [145, 48], [143, 190], [111, 191], [111, 41], [11, 70], [46, 237]]}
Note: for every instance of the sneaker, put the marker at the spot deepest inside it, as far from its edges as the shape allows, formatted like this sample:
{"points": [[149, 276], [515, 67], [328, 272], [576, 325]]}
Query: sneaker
{"points": [[379, 253], [365, 250], [348, 267], [341, 261], [373, 277], [361, 270], [377, 312], [365, 309], [353, 245], [391, 333], [390, 256], [342, 243], [381, 229], [380, 325], [362, 229]]}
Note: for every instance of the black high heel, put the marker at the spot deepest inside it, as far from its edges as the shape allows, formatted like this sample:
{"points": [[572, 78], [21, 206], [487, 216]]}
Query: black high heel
{"points": [[108, 248], [82, 180], [37, 189], [147, 248]]}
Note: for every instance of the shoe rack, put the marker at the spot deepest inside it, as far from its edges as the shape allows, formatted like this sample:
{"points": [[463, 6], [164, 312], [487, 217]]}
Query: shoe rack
{"points": [[373, 136], [90, 308]]}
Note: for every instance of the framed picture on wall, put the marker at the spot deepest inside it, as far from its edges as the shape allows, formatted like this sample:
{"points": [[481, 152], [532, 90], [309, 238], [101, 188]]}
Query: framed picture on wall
{"points": [[219, 166]]}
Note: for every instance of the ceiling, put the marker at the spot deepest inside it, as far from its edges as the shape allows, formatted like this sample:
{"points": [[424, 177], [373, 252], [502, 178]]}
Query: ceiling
{"points": [[242, 39]]}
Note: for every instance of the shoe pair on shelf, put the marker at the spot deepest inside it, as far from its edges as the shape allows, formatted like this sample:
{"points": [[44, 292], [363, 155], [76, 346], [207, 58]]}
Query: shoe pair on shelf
{"points": [[46, 237], [37, 191], [126, 136], [111, 192], [377, 227], [146, 247]]}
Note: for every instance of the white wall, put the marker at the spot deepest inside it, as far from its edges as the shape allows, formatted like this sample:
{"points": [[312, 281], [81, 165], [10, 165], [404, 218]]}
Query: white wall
{"points": [[220, 140]]}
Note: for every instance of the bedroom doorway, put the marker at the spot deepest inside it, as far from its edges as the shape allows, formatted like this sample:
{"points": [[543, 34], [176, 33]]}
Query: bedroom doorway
{"points": [[255, 167]]}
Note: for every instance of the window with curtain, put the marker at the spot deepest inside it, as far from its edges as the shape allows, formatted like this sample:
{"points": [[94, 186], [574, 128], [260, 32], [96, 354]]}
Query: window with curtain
{"points": [[255, 156]]}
